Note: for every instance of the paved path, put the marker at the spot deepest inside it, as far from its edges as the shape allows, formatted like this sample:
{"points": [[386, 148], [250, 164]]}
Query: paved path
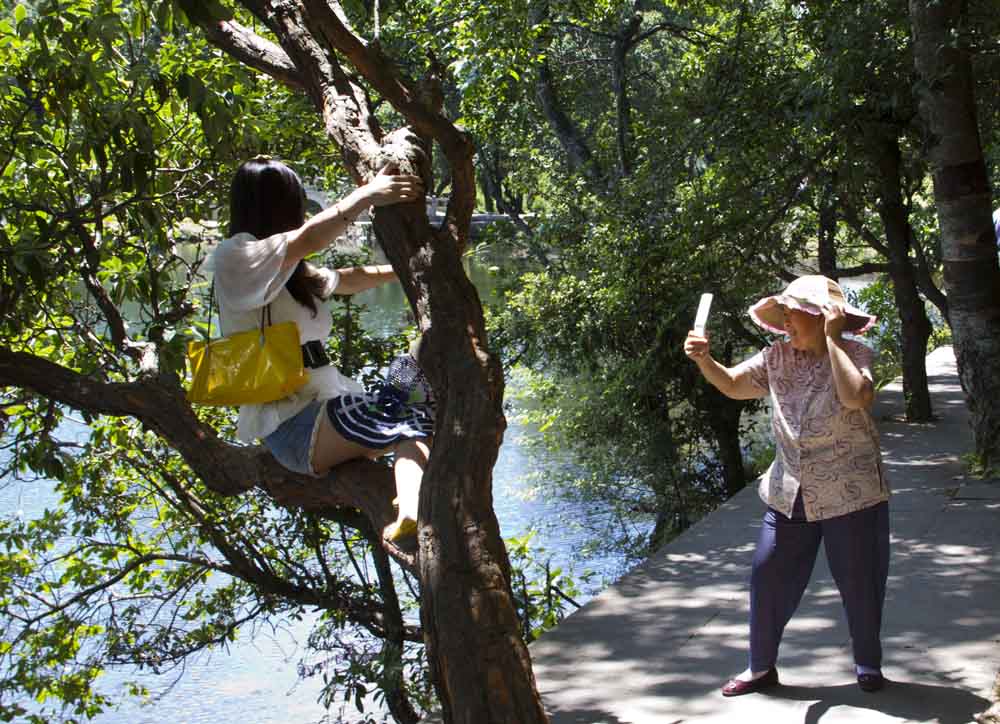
{"points": [[657, 646]]}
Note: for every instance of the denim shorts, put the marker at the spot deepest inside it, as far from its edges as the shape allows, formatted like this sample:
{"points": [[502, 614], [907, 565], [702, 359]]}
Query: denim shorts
{"points": [[293, 442]]}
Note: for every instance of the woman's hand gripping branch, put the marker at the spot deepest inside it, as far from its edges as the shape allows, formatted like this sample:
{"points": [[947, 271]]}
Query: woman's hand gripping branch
{"points": [[318, 232]]}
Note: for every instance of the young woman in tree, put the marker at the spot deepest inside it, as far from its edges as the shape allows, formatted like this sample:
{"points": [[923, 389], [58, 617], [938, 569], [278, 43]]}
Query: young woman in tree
{"points": [[262, 265], [826, 481]]}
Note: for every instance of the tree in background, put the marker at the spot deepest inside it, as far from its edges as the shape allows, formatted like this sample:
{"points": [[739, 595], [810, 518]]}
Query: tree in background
{"points": [[665, 151], [661, 150], [674, 148], [863, 104], [941, 35]]}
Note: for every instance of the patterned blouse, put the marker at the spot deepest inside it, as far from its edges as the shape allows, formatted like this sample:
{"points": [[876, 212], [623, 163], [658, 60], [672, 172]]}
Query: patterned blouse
{"points": [[828, 451]]}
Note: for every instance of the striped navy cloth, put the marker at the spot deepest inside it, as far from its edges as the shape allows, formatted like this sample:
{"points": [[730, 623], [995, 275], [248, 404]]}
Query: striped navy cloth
{"points": [[398, 409]]}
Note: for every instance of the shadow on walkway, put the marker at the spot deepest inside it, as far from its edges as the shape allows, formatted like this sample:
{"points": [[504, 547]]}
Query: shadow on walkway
{"points": [[910, 702]]}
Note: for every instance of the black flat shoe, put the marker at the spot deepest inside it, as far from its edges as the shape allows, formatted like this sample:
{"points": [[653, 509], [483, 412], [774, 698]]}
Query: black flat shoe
{"points": [[735, 687], [871, 682]]}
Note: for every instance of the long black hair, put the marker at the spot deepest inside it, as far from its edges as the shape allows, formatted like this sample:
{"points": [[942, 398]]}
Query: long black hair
{"points": [[268, 198]]}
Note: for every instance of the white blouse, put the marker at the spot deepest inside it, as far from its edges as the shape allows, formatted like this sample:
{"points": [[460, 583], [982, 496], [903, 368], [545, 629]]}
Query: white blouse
{"points": [[248, 277]]}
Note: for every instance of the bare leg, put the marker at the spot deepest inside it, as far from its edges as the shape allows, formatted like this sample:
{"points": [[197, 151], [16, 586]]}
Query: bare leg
{"points": [[333, 449], [411, 459]]}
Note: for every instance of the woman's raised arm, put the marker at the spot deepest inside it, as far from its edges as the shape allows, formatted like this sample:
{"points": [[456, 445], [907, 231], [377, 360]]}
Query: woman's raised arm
{"points": [[733, 383], [319, 231]]}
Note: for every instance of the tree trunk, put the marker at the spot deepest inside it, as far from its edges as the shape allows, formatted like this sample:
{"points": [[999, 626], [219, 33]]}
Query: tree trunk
{"points": [[915, 326], [619, 82], [827, 239], [723, 416], [479, 662], [724, 419], [962, 196], [489, 191]]}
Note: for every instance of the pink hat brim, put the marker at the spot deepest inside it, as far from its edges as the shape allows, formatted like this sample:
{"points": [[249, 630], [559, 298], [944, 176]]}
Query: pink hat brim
{"points": [[767, 314]]}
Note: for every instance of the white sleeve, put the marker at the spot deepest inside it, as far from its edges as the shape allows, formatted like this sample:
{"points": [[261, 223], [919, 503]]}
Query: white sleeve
{"points": [[248, 273], [331, 278]]}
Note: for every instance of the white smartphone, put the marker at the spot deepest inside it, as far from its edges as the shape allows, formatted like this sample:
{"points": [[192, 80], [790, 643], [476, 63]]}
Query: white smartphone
{"points": [[702, 316]]}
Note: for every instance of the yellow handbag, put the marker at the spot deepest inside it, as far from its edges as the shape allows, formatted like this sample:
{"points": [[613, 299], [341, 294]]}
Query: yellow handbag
{"points": [[256, 366]]}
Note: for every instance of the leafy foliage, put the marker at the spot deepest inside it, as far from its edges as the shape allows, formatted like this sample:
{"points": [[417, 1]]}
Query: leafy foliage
{"points": [[646, 153], [717, 138]]}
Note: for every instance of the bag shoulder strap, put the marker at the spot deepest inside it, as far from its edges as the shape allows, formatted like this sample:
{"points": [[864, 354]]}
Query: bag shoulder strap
{"points": [[265, 313], [208, 320]]}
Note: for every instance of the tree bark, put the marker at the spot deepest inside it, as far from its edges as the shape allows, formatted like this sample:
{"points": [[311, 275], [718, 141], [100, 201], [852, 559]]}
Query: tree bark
{"points": [[620, 47], [915, 326], [570, 137], [962, 196]]}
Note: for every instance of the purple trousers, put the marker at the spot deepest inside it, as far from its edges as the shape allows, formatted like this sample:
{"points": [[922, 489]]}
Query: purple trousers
{"points": [[857, 549]]}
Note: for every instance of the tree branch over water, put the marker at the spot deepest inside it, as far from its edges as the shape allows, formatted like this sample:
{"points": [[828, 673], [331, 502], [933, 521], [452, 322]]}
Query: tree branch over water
{"points": [[226, 469]]}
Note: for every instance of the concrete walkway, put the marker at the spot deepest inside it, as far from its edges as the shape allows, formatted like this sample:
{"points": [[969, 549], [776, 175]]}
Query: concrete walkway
{"points": [[658, 645]]}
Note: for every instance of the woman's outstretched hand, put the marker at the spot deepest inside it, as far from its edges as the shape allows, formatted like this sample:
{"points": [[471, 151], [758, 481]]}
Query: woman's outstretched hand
{"points": [[387, 188], [696, 346]]}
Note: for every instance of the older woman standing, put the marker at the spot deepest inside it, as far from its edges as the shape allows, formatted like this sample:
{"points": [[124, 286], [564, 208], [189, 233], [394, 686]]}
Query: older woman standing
{"points": [[826, 482]]}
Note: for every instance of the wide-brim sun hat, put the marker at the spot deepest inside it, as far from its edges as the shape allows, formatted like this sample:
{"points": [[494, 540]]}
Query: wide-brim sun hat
{"points": [[809, 294]]}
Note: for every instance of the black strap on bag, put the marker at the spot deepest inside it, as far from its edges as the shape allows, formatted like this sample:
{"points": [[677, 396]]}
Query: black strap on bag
{"points": [[265, 311], [207, 332]]}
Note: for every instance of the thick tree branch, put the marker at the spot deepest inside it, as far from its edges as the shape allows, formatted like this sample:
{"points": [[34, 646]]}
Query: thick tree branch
{"points": [[926, 281], [144, 354], [426, 118], [620, 48], [678, 31], [861, 269], [253, 50], [226, 469], [380, 71], [351, 122], [574, 144]]}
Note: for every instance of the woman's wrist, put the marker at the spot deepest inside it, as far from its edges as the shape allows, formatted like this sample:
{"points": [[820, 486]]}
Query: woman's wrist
{"points": [[705, 362], [351, 206]]}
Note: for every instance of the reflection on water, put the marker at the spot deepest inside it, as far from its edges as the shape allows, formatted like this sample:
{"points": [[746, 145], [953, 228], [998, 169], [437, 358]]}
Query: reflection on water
{"points": [[255, 681]]}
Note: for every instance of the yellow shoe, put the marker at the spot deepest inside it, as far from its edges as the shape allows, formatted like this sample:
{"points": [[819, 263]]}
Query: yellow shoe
{"points": [[404, 528]]}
